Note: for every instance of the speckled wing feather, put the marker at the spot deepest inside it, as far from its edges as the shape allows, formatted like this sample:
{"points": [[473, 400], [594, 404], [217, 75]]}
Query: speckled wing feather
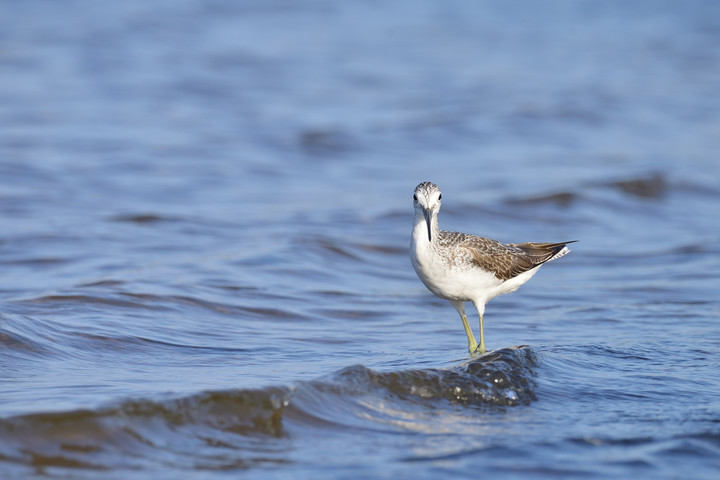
{"points": [[507, 261]]}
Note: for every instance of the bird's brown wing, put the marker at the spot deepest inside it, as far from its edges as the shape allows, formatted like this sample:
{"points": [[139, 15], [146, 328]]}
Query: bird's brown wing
{"points": [[508, 261]]}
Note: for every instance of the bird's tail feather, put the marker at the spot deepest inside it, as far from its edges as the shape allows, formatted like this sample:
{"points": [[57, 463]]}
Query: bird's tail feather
{"points": [[544, 252]]}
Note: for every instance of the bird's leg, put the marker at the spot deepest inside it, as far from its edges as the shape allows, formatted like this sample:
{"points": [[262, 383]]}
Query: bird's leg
{"points": [[481, 348], [472, 344], [460, 307], [480, 307]]}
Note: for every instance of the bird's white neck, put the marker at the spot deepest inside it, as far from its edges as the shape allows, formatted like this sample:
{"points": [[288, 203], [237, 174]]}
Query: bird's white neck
{"points": [[420, 229]]}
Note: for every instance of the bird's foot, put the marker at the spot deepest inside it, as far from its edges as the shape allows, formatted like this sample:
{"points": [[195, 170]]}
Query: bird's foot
{"points": [[478, 350]]}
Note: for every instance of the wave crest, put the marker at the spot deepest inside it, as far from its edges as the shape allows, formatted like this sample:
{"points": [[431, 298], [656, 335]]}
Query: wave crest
{"points": [[244, 422]]}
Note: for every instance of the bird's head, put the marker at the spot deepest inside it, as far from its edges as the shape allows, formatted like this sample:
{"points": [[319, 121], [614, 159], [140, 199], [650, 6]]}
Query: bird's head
{"points": [[426, 200]]}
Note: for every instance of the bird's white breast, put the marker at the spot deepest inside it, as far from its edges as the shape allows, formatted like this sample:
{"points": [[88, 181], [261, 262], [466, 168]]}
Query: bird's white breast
{"points": [[447, 273]]}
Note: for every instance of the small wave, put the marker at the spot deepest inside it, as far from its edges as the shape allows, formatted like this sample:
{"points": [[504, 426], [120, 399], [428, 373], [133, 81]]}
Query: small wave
{"points": [[701, 448], [36, 261], [503, 377], [561, 199], [141, 218], [325, 142], [80, 299], [146, 301], [651, 186], [29, 337], [123, 435], [197, 427], [329, 247], [14, 338]]}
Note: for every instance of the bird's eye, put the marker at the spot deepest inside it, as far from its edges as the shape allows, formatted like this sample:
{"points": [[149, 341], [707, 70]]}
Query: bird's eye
{"points": [[440, 197], [414, 198]]}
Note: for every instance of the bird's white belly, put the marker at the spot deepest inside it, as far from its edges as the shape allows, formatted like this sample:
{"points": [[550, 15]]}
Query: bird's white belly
{"points": [[452, 282], [463, 282], [463, 285]]}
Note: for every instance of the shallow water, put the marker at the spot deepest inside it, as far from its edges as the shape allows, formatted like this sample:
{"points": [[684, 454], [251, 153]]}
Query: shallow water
{"points": [[205, 211]]}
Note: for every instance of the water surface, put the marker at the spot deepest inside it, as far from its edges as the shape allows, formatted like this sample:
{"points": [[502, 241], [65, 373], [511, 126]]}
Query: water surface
{"points": [[205, 213]]}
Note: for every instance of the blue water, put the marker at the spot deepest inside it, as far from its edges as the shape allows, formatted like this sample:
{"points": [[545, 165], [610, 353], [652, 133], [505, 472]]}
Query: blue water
{"points": [[205, 213]]}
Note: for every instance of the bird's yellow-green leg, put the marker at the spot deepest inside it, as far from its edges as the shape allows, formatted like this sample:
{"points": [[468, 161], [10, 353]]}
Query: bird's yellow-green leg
{"points": [[481, 348], [472, 344]]}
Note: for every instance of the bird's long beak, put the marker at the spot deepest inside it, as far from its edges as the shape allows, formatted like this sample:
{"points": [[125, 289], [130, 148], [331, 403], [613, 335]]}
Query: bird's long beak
{"points": [[426, 214]]}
